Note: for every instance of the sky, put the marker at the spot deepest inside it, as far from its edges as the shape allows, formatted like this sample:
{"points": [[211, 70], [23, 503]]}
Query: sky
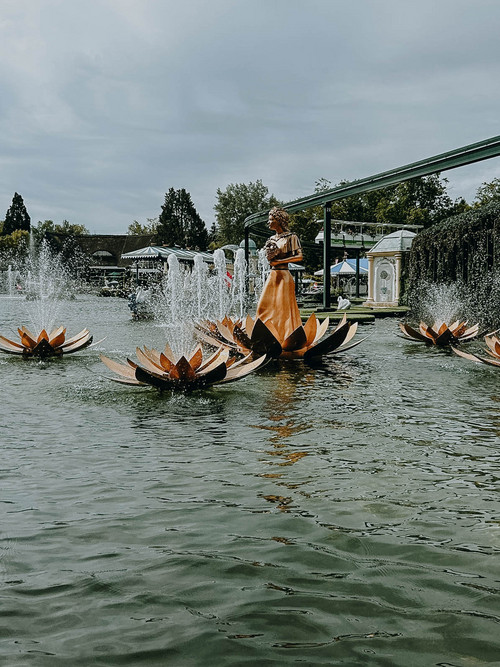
{"points": [[106, 104]]}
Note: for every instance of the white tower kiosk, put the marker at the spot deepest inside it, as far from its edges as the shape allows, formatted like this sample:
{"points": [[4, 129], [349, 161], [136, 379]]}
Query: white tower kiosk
{"points": [[384, 268]]}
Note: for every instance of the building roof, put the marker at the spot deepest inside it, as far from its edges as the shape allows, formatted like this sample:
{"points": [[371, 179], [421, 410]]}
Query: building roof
{"points": [[399, 241], [163, 252]]}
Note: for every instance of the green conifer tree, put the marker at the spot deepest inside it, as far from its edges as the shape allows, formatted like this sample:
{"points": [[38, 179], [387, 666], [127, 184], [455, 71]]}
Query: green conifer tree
{"points": [[17, 216], [179, 222]]}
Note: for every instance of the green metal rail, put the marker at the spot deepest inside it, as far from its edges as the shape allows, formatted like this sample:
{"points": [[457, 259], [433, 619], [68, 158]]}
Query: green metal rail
{"points": [[482, 150]]}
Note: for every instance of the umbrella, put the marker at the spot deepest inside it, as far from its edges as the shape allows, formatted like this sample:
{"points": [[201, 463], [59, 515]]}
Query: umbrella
{"points": [[143, 253], [346, 268], [153, 252]]}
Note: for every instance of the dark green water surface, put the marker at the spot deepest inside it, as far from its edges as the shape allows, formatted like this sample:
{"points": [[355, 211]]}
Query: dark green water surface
{"points": [[342, 515]]}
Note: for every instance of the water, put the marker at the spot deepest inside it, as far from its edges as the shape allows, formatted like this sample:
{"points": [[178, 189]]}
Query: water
{"points": [[341, 515]]}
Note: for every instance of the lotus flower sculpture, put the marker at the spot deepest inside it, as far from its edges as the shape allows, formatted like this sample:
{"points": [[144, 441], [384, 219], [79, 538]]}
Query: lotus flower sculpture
{"points": [[492, 348], [45, 344], [166, 371], [251, 336], [440, 333]]}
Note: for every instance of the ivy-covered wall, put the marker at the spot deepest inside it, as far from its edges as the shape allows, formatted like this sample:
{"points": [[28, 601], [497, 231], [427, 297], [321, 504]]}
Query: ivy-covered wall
{"points": [[464, 251]]}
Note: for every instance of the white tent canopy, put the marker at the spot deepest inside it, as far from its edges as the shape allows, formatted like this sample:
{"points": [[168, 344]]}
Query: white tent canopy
{"points": [[346, 268], [161, 252]]}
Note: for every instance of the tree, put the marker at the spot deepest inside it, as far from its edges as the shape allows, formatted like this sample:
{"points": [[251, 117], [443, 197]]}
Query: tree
{"points": [[237, 202], [179, 222], [16, 217], [136, 229], [18, 241], [306, 224], [65, 227], [487, 192], [417, 201]]}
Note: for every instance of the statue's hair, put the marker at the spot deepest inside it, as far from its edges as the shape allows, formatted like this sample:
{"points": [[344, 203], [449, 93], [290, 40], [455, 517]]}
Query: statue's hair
{"points": [[281, 216]]}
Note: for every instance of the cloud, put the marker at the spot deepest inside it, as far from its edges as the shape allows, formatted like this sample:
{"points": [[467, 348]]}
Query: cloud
{"points": [[106, 104]]}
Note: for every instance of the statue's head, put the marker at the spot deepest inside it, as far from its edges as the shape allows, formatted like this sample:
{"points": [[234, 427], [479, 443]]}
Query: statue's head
{"points": [[279, 217]]}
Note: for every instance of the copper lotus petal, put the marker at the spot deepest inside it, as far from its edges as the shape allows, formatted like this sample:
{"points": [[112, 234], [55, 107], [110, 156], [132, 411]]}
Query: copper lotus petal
{"points": [[44, 349], [158, 381], [493, 344], [43, 335], [264, 341], [471, 332], [120, 369], [329, 343], [220, 358], [412, 334], [183, 370], [212, 358], [166, 383], [241, 338], [476, 358], [213, 338], [10, 346], [165, 363], [58, 340], [248, 326], [351, 333], [241, 369], [125, 371], [196, 358], [444, 337], [225, 332], [147, 362], [57, 336], [295, 341], [321, 330], [77, 345], [28, 341], [216, 374], [310, 329], [79, 336]]}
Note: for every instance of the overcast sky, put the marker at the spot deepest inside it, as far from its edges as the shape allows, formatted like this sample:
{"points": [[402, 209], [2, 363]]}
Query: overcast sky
{"points": [[106, 104]]}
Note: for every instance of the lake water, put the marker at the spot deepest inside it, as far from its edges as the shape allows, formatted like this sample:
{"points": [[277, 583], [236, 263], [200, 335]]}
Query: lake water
{"points": [[346, 514]]}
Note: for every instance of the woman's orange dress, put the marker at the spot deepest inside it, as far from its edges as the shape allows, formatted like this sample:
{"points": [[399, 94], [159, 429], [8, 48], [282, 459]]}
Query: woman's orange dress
{"points": [[277, 303]]}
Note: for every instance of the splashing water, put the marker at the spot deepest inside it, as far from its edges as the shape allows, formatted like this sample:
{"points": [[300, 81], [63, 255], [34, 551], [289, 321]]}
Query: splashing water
{"points": [[46, 281], [443, 303], [221, 283], [238, 287], [10, 281], [189, 295], [263, 271]]}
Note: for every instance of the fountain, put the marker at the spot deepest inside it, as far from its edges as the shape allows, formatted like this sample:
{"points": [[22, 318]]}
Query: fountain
{"points": [[277, 328], [251, 335], [43, 345], [10, 285], [443, 306], [238, 286], [439, 333], [167, 371], [47, 281], [185, 297], [492, 348]]}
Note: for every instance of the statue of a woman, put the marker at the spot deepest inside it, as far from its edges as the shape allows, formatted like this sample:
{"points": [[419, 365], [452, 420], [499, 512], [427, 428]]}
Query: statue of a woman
{"points": [[277, 304]]}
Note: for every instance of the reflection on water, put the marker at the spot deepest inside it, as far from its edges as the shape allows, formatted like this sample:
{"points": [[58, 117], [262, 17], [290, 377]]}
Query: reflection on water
{"points": [[344, 514]]}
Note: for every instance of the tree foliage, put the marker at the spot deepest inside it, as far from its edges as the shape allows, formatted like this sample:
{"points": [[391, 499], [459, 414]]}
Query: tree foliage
{"points": [[463, 250], [418, 201], [41, 229], [136, 229], [234, 204], [179, 222], [487, 192], [306, 224], [16, 217], [17, 241]]}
